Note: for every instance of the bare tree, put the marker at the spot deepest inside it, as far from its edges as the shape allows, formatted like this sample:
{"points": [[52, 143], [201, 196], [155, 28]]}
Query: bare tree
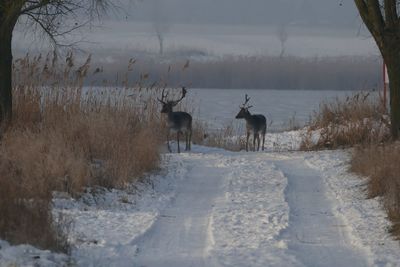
{"points": [[282, 35], [160, 24], [382, 20], [55, 17]]}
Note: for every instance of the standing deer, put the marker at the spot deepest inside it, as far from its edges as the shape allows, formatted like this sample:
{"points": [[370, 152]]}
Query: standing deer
{"points": [[256, 124], [178, 121]]}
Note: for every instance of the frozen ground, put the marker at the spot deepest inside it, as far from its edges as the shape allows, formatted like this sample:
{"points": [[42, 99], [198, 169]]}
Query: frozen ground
{"points": [[211, 207]]}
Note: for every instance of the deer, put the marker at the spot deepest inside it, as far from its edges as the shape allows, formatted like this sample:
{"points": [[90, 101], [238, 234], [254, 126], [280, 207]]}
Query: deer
{"points": [[177, 121], [255, 124]]}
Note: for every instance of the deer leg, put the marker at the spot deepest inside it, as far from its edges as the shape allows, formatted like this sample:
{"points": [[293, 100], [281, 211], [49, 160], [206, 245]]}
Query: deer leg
{"points": [[254, 142], [177, 138], [190, 139], [263, 141], [247, 141], [169, 148], [258, 142], [187, 140]]}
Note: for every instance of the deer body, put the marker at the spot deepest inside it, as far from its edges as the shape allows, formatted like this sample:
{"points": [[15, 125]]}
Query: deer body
{"points": [[178, 122], [255, 124]]}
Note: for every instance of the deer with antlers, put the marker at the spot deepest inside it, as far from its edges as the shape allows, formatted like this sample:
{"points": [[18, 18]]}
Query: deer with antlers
{"points": [[178, 121], [255, 124]]}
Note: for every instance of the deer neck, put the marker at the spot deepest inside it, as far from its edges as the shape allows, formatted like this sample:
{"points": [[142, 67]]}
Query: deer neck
{"points": [[170, 114], [248, 116]]}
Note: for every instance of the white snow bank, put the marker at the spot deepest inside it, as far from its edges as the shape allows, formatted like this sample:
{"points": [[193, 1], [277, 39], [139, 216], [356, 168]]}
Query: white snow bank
{"points": [[366, 217]]}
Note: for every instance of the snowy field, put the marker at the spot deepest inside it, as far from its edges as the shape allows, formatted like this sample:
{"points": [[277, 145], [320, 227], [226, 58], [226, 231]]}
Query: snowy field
{"points": [[279, 106], [212, 207]]}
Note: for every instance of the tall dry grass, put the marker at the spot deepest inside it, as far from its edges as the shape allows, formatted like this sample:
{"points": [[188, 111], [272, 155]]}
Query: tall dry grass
{"points": [[380, 163], [358, 119], [66, 137], [228, 137]]}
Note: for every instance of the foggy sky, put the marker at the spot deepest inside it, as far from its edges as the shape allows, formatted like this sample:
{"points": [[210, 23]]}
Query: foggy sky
{"points": [[320, 13], [237, 27]]}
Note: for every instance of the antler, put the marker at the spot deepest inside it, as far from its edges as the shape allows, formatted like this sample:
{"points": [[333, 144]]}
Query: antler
{"points": [[163, 96], [246, 101], [182, 97]]}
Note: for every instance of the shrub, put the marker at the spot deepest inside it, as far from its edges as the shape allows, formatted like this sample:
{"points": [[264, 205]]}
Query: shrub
{"points": [[358, 119]]}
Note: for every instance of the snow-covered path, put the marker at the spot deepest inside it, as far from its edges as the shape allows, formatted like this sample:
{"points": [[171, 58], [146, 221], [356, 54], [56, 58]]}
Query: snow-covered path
{"points": [[214, 208], [314, 234], [225, 213], [181, 235]]}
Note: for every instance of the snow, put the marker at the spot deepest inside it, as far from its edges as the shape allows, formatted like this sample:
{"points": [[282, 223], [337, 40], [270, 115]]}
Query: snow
{"points": [[366, 218], [249, 217], [29, 256], [212, 207]]}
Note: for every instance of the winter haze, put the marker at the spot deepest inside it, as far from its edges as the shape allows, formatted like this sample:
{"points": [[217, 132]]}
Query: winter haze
{"points": [[314, 28], [233, 35]]}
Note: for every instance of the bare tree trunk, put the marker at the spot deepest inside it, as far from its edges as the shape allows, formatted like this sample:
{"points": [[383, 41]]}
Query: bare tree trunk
{"points": [[5, 75], [392, 60], [282, 50], [161, 43], [383, 23]]}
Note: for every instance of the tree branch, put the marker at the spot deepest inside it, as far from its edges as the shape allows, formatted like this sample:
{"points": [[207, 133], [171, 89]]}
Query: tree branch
{"points": [[364, 12], [34, 5], [391, 16], [374, 9]]}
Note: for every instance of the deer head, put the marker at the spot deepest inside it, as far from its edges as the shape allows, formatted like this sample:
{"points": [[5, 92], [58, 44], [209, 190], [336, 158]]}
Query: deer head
{"points": [[244, 109], [169, 104]]}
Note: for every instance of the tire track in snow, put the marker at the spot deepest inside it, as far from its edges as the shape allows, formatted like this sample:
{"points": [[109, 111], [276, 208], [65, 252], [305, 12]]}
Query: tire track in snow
{"points": [[182, 236], [314, 235], [248, 209]]}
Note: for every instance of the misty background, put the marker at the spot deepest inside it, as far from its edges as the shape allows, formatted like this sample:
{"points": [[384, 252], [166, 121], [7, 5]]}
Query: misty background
{"points": [[261, 44]]}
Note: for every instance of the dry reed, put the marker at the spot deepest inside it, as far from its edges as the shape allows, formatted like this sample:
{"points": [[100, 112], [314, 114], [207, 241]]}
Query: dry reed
{"points": [[66, 137], [227, 137], [380, 164], [358, 119]]}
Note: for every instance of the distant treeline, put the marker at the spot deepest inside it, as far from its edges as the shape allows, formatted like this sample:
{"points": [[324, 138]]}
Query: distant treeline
{"points": [[256, 72]]}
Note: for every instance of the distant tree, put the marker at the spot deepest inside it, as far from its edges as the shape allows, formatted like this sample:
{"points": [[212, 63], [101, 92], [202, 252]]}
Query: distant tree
{"points": [[55, 17], [160, 23], [382, 20], [282, 35]]}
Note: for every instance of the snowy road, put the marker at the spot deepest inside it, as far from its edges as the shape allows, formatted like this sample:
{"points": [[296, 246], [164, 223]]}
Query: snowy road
{"points": [[181, 236], [248, 210], [315, 235], [214, 208]]}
